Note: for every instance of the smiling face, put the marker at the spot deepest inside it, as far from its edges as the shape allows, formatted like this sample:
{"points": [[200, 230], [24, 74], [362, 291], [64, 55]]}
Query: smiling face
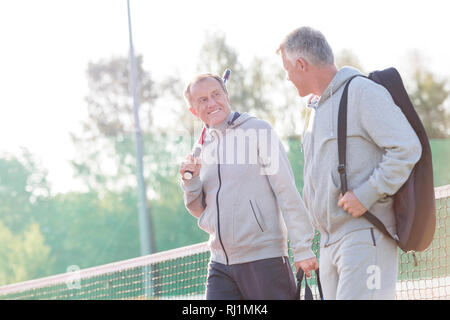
{"points": [[209, 101]]}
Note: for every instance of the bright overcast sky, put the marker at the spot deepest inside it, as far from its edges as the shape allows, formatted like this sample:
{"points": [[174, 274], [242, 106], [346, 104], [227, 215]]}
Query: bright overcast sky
{"points": [[46, 45]]}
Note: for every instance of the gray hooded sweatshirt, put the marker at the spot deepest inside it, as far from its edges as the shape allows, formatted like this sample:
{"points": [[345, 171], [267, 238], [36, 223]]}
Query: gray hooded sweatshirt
{"points": [[382, 149], [247, 189]]}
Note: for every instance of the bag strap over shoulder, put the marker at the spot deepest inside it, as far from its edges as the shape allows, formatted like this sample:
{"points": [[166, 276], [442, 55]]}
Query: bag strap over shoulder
{"points": [[342, 149]]}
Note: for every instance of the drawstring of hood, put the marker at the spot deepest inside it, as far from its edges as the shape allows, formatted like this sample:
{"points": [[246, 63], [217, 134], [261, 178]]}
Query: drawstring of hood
{"points": [[312, 105]]}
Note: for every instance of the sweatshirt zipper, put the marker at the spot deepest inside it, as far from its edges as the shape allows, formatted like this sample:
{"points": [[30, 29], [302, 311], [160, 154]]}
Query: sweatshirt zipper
{"points": [[217, 201]]}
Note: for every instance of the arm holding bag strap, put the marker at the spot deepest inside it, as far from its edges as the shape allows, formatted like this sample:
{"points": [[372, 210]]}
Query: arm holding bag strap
{"points": [[342, 149]]}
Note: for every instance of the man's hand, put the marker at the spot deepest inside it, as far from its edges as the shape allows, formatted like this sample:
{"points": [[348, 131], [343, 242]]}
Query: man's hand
{"points": [[351, 204], [307, 266], [190, 164]]}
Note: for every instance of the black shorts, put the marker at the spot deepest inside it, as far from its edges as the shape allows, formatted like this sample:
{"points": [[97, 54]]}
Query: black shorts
{"points": [[266, 279]]}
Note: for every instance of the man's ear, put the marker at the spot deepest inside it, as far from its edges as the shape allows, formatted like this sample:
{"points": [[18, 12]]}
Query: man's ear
{"points": [[301, 64], [192, 110]]}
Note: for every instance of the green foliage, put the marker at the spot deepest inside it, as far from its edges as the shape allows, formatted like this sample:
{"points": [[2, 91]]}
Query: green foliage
{"points": [[428, 97], [106, 148], [174, 226], [346, 57], [23, 256], [296, 158], [22, 181], [440, 149], [15, 206], [43, 235], [86, 229], [429, 94]]}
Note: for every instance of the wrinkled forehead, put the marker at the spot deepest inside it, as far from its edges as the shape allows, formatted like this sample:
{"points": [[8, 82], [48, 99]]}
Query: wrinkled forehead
{"points": [[205, 86]]}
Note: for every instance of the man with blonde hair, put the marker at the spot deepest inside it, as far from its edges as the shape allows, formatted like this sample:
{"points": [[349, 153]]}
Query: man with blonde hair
{"points": [[357, 261], [247, 209]]}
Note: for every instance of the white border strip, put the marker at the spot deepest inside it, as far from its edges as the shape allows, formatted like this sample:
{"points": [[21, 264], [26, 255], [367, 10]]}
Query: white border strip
{"points": [[423, 289], [442, 192]]}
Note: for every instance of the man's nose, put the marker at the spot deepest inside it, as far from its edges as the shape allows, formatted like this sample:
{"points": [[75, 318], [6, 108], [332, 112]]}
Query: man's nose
{"points": [[212, 103]]}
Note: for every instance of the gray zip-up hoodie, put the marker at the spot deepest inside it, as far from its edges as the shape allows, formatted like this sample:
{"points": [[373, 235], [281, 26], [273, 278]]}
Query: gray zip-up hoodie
{"points": [[382, 149], [250, 204]]}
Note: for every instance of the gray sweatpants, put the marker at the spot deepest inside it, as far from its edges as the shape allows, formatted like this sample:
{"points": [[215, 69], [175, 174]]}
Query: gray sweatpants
{"points": [[361, 266]]}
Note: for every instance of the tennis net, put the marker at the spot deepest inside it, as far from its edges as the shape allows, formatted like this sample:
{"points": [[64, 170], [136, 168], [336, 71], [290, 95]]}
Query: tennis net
{"points": [[181, 273]]}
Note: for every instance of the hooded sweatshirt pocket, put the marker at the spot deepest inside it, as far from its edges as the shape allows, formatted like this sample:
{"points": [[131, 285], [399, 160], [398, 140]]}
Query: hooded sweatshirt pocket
{"points": [[248, 225], [256, 212]]}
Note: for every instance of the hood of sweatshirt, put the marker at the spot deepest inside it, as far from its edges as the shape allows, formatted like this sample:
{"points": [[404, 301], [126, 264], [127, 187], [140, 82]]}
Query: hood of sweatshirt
{"points": [[337, 82], [228, 123]]}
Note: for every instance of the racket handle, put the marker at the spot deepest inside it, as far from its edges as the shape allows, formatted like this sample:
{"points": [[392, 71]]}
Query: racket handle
{"points": [[226, 75], [187, 175]]}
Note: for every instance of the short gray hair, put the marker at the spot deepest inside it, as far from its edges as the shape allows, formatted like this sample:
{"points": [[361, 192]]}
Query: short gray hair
{"points": [[198, 78], [309, 44]]}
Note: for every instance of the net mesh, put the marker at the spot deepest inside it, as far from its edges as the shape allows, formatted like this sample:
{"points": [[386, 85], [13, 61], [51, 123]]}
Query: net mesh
{"points": [[181, 273]]}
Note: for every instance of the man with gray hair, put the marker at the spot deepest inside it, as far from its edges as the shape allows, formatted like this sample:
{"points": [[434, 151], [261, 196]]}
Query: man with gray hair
{"points": [[357, 261], [248, 212]]}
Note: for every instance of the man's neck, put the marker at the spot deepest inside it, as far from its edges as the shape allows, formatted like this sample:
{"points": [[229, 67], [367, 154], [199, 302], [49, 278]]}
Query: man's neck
{"points": [[223, 124], [324, 76]]}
